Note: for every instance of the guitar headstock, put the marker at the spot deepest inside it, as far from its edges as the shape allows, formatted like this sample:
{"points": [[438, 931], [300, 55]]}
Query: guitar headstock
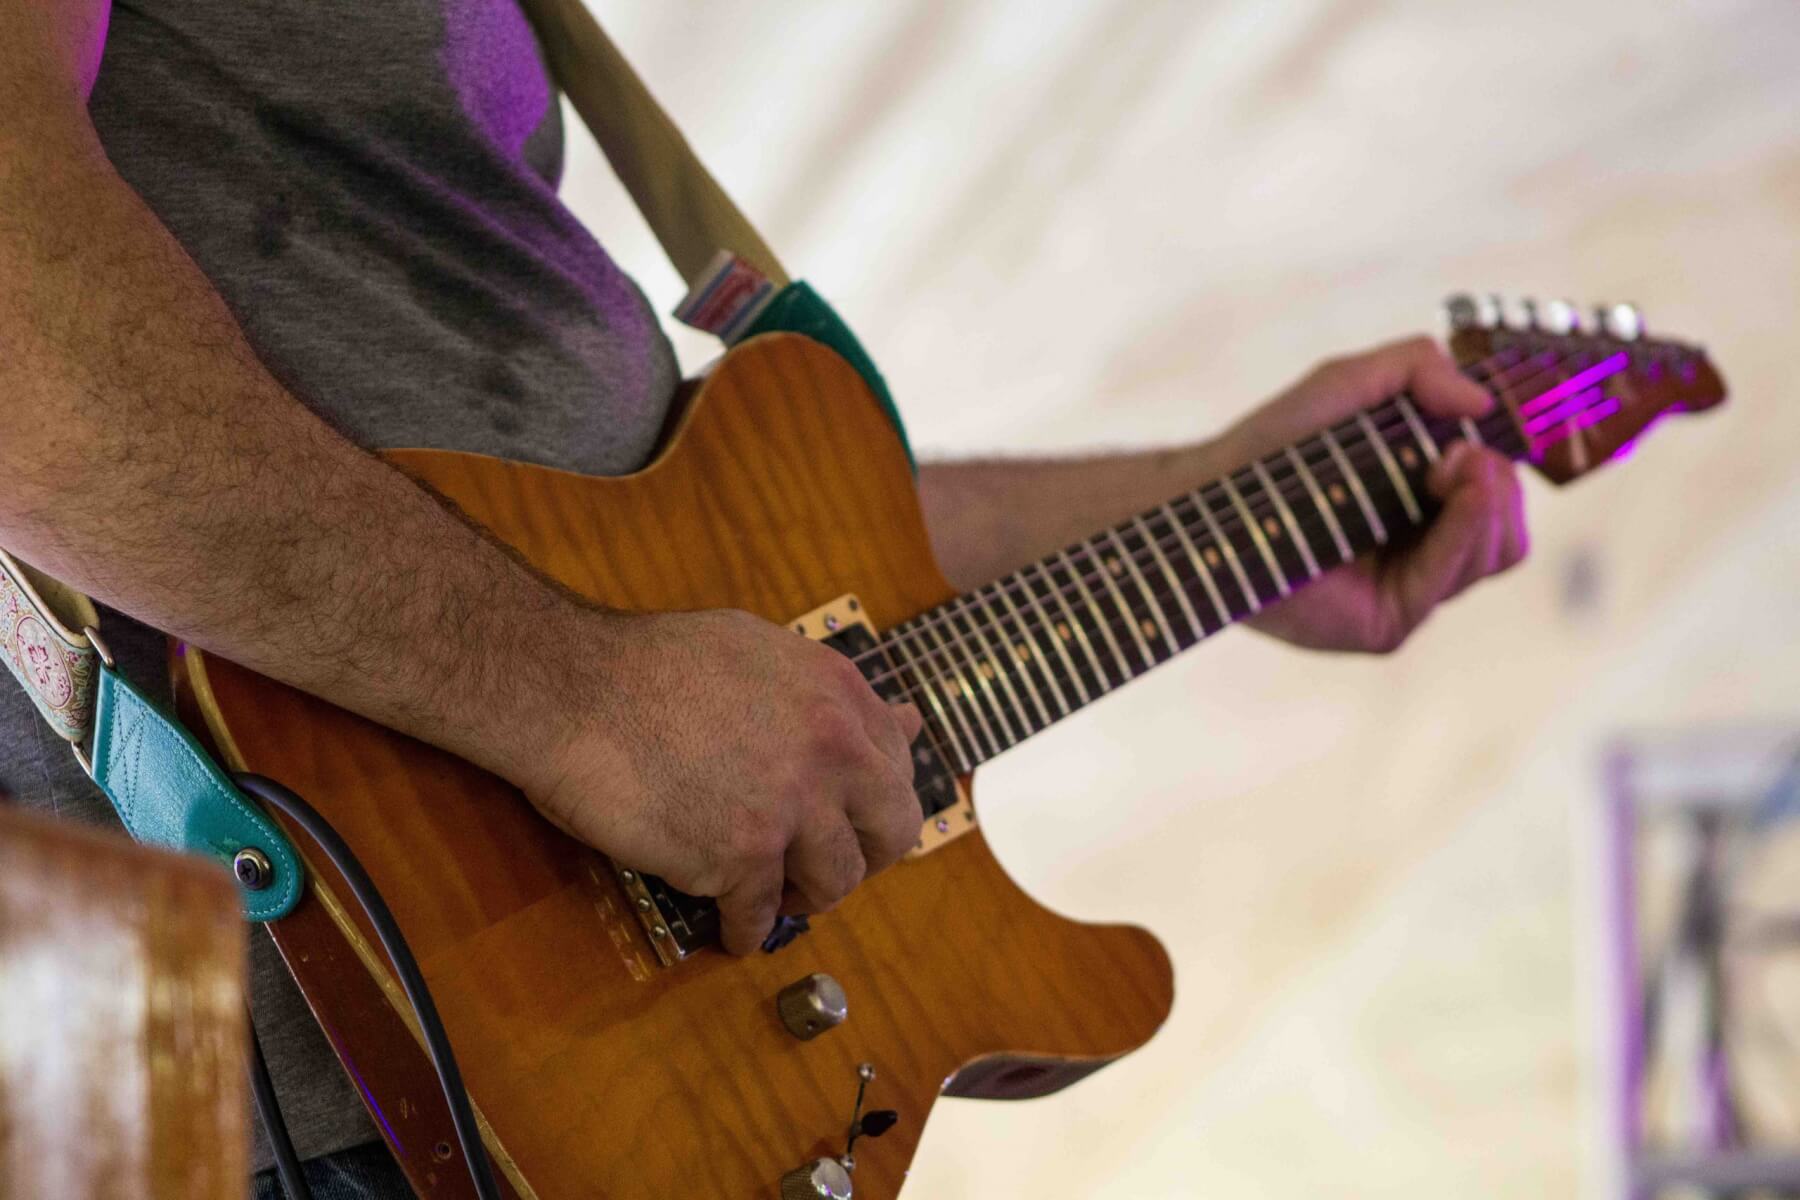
{"points": [[1580, 390]]}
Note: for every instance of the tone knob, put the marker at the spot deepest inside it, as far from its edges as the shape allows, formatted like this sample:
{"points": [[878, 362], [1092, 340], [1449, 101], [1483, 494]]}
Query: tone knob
{"points": [[812, 1005], [820, 1179]]}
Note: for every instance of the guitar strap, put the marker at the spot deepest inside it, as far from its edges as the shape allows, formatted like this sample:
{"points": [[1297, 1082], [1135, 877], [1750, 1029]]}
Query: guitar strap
{"points": [[166, 789]]}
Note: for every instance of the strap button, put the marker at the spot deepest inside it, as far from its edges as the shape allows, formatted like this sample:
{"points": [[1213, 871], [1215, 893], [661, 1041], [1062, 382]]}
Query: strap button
{"points": [[252, 868]]}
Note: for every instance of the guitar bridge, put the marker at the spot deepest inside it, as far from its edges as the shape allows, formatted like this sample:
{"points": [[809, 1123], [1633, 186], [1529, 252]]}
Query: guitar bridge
{"points": [[679, 924]]}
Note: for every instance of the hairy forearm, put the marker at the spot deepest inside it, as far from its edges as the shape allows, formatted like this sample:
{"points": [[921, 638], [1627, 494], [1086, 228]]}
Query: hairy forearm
{"points": [[991, 516], [147, 457]]}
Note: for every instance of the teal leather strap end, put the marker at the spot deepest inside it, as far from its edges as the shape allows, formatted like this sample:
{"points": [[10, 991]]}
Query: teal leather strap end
{"points": [[169, 792], [799, 309]]}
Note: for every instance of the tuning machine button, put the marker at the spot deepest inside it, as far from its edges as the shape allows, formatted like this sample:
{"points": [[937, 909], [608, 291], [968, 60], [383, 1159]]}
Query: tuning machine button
{"points": [[1623, 321], [1494, 312], [810, 1006], [1559, 317], [820, 1179], [1463, 311]]}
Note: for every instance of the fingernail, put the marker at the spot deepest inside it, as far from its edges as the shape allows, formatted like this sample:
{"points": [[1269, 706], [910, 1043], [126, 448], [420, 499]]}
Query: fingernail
{"points": [[1449, 465]]}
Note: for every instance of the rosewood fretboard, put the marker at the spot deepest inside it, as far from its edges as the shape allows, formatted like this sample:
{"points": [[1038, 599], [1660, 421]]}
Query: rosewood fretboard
{"points": [[998, 664]]}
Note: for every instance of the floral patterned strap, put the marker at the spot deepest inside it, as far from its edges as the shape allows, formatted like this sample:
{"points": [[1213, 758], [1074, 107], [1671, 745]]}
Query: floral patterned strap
{"points": [[41, 635]]}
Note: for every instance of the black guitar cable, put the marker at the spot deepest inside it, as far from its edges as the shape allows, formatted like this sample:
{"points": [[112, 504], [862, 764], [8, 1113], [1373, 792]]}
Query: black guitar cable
{"points": [[268, 1111], [437, 1043]]}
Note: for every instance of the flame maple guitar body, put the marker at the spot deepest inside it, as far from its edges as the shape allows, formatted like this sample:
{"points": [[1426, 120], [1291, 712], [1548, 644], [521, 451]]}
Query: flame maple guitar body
{"points": [[599, 1071]]}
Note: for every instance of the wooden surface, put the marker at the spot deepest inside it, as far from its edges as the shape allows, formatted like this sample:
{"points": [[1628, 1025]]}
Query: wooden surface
{"points": [[601, 1073], [1106, 222], [122, 1032]]}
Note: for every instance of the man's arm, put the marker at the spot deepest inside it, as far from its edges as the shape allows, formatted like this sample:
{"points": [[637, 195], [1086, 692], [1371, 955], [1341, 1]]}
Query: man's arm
{"points": [[990, 517], [147, 457]]}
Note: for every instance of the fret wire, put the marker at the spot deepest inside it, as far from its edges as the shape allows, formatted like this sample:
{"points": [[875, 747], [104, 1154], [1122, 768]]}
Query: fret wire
{"points": [[1006, 716], [1230, 552], [1200, 567], [1325, 511], [1175, 584], [1356, 487], [1287, 516], [1093, 606], [1257, 537], [1156, 609], [1076, 628], [925, 688], [1010, 650], [962, 690], [1030, 639], [1123, 608], [1420, 434], [1395, 475], [961, 698], [1048, 625]]}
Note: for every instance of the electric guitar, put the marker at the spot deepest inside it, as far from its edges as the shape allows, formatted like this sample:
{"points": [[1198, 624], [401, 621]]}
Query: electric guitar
{"points": [[610, 1049]]}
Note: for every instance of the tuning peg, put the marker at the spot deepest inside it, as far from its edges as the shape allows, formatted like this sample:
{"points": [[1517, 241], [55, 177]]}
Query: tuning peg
{"points": [[1462, 311], [1559, 317], [1528, 307], [1496, 310], [1623, 321]]}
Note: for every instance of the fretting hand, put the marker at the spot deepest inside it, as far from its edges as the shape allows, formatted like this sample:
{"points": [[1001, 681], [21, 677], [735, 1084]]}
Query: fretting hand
{"points": [[1374, 603]]}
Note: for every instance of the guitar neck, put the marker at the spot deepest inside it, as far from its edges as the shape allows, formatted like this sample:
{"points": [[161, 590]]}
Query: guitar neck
{"points": [[1011, 658]]}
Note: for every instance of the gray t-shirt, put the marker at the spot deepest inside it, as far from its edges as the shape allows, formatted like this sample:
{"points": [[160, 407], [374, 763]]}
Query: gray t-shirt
{"points": [[371, 186]]}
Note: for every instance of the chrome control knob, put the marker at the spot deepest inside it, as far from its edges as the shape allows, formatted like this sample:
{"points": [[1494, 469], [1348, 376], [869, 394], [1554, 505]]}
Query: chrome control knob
{"points": [[810, 1006], [820, 1179]]}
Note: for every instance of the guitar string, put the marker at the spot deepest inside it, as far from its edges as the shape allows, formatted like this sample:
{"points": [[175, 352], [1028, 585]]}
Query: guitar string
{"points": [[962, 674], [1362, 457], [983, 619], [1022, 630], [1299, 500], [976, 613]]}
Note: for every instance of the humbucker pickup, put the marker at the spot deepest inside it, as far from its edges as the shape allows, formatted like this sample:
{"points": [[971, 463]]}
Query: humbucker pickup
{"points": [[680, 924]]}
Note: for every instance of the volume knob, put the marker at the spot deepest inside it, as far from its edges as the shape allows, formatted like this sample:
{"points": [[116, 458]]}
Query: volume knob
{"points": [[810, 1006], [820, 1179]]}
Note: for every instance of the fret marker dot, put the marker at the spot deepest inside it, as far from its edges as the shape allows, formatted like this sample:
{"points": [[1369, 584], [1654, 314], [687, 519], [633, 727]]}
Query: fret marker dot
{"points": [[1272, 527], [1148, 626], [1337, 493], [1063, 631], [1409, 458], [986, 669], [1211, 556], [1115, 566], [1023, 651]]}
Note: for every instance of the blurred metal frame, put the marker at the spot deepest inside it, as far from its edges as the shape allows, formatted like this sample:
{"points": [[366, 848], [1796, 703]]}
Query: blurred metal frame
{"points": [[1712, 784]]}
